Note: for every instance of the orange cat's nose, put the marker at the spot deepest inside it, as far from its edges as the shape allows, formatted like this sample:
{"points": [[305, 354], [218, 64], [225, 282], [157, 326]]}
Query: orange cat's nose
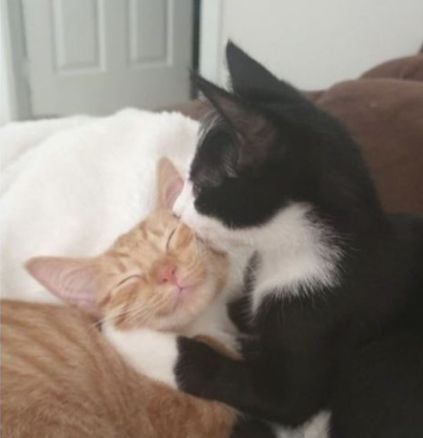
{"points": [[167, 273]]}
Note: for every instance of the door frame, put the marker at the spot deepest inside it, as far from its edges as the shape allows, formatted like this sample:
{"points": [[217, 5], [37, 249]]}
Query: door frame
{"points": [[210, 56], [19, 97]]}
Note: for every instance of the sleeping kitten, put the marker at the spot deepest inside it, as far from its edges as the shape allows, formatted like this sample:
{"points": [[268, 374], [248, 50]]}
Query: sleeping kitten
{"points": [[158, 277]]}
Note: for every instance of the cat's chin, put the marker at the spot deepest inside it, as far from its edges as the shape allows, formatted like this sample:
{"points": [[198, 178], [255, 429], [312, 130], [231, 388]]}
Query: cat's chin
{"points": [[183, 294], [177, 322], [190, 303]]}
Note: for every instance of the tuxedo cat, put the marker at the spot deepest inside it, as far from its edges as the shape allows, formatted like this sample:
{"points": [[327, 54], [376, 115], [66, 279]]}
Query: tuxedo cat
{"points": [[335, 299]]}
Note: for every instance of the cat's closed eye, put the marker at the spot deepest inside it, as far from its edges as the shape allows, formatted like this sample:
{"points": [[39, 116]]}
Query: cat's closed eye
{"points": [[129, 278], [170, 238]]}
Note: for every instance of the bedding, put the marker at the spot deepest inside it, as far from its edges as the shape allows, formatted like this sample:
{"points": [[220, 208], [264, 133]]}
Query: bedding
{"points": [[70, 186]]}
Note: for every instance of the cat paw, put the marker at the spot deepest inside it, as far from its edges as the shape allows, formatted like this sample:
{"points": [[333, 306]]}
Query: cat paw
{"points": [[197, 369]]}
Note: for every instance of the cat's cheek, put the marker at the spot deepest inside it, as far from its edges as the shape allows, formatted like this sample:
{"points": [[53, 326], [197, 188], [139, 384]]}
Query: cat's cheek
{"points": [[151, 353]]}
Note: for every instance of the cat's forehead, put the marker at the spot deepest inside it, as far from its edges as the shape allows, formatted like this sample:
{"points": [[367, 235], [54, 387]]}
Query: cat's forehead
{"points": [[147, 243], [153, 231]]}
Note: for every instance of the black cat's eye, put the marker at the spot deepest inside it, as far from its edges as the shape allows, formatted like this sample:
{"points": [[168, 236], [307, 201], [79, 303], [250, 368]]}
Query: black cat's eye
{"points": [[170, 238]]}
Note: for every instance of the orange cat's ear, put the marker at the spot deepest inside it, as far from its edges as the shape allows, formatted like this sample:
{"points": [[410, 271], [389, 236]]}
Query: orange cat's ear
{"points": [[71, 279], [169, 184]]}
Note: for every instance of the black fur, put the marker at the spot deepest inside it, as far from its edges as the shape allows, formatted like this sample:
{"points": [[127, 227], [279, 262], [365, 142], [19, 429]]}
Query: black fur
{"points": [[355, 348], [251, 428]]}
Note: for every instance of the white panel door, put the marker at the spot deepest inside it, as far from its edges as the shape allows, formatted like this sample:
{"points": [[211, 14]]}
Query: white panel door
{"points": [[97, 56]]}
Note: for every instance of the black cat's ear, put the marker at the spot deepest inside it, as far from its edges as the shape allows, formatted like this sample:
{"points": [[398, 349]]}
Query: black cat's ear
{"points": [[226, 104], [253, 82], [248, 77], [249, 133]]}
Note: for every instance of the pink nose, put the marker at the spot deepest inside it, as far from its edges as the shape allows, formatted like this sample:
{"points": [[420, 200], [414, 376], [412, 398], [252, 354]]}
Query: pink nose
{"points": [[167, 274]]}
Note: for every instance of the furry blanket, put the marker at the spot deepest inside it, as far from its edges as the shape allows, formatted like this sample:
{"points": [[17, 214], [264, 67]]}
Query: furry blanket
{"points": [[71, 186]]}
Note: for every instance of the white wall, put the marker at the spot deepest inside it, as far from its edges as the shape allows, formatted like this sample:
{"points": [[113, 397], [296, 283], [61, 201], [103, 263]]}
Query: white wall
{"points": [[314, 43]]}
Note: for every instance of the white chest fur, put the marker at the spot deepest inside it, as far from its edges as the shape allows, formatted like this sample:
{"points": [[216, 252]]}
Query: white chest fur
{"points": [[296, 252], [149, 352]]}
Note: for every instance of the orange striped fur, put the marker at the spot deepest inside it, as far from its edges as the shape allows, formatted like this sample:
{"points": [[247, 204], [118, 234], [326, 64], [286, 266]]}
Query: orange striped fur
{"points": [[60, 379]]}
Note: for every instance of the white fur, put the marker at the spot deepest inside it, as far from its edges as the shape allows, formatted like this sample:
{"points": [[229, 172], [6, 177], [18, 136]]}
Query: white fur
{"points": [[318, 426], [295, 251], [149, 352], [70, 186]]}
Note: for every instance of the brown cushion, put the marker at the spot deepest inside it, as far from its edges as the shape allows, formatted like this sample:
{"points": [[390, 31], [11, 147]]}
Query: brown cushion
{"points": [[409, 68], [385, 116]]}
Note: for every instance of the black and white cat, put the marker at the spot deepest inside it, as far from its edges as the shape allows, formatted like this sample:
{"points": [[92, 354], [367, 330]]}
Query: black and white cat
{"points": [[335, 301]]}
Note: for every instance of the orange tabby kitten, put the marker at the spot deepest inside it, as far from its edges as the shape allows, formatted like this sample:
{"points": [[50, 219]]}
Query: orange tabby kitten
{"points": [[59, 375]]}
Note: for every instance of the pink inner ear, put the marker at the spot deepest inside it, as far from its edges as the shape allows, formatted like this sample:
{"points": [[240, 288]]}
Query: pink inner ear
{"points": [[72, 280], [173, 191]]}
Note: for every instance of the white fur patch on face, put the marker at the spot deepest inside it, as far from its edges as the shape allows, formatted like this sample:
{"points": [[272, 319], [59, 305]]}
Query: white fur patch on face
{"points": [[151, 353]]}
